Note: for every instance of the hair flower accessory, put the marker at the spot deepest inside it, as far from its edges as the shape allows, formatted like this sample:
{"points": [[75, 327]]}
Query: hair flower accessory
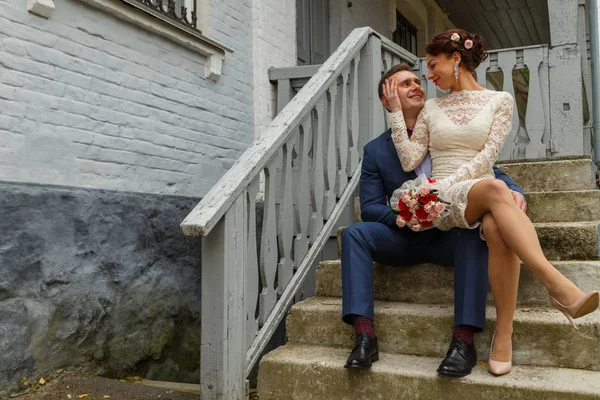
{"points": [[455, 37], [468, 44]]}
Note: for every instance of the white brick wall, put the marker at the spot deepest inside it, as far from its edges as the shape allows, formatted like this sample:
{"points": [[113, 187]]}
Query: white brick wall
{"points": [[274, 23], [89, 100]]}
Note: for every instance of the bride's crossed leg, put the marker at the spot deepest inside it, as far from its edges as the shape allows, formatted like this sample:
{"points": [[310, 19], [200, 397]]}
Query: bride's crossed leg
{"points": [[504, 268], [493, 196], [511, 236]]}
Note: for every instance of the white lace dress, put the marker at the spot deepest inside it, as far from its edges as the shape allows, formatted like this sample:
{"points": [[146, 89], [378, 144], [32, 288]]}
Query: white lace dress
{"points": [[464, 132]]}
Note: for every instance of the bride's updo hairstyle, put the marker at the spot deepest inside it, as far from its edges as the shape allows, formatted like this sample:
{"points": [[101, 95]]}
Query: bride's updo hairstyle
{"points": [[470, 47]]}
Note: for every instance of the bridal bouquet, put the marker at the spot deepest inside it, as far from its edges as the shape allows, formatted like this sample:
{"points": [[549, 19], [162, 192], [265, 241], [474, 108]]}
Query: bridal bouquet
{"points": [[418, 204]]}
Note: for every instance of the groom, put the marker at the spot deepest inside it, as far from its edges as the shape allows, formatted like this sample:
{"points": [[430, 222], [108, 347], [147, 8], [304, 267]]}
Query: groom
{"points": [[379, 239]]}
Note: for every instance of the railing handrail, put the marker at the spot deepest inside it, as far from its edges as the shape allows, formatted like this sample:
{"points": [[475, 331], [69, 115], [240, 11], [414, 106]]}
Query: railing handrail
{"points": [[203, 218], [533, 46]]}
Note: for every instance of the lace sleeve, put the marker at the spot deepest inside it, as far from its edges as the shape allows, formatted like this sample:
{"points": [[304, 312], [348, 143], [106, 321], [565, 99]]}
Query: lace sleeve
{"points": [[413, 150], [486, 158]]}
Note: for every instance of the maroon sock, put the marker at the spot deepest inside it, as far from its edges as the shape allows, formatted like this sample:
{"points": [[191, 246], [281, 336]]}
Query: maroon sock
{"points": [[364, 325], [464, 332]]}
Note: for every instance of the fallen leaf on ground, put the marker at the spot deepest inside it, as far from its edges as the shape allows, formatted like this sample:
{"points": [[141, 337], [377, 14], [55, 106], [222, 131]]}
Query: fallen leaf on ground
{"points": [[482, 364], [42, 381], [81, 396], [106, 396]]}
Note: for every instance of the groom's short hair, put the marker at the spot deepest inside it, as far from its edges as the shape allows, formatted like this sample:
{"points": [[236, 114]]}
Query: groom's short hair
{"points": [[396, 68]]}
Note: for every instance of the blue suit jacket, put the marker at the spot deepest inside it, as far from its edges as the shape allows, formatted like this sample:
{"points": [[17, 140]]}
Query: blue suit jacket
{"points": [[382, 173]]}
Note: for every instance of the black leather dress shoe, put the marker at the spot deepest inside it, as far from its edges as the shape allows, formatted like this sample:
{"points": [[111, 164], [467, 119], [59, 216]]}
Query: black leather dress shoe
{"points": [[460, 359], [365, 353]]}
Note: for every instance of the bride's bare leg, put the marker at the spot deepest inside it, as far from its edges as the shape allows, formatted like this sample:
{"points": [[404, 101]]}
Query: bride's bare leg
{"points": [[503, 272], [493, 196]]}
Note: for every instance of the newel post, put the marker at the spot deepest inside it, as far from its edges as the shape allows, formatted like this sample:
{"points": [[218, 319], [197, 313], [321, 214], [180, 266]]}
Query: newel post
{"points": [[566, 96], [223, 342], [369, 106]]}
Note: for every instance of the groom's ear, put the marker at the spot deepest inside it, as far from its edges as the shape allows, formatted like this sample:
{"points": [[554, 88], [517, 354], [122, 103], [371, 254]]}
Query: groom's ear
{"points": [[385, 103]]}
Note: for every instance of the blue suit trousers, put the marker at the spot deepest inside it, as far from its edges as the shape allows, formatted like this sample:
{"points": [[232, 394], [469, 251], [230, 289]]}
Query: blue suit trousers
{"points": [[366, 242]]}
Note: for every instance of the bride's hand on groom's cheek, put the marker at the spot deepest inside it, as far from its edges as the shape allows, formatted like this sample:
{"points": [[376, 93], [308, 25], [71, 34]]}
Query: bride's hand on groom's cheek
{"points": [[390, 91]]}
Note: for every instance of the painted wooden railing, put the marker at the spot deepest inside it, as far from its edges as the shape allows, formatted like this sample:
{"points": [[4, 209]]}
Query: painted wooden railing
{"points": [[247, 289], [552, 89]]}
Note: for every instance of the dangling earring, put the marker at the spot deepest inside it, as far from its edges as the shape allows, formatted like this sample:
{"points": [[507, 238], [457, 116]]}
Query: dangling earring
{"points": [[456, 72]]}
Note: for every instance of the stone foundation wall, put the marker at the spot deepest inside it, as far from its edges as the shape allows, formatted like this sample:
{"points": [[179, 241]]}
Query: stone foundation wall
{"points": [[100, 280]]}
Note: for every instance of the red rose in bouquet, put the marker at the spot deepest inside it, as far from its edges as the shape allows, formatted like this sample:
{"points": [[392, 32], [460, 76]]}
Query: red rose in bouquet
{"points": [[419, 204]]}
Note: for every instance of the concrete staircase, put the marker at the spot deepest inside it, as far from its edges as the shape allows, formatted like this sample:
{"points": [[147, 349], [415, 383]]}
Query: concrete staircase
{"points": [[414, 317]]}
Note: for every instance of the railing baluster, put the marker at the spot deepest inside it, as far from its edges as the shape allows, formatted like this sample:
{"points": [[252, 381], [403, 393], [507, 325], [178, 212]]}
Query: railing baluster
{"points": [[251, 270], [268, 246], [430, 88], [482, 73], [387, 57], [318, 173], [355, 118], [506, 62], [331, 120], [534, 116], [343, 141], [302, 195], [285, 220]]}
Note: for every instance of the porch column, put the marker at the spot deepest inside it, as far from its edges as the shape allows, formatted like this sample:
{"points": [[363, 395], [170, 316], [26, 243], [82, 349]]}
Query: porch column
{"points": [[565, 72]]}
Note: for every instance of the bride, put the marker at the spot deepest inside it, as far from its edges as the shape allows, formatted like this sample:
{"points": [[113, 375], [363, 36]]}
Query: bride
{"points": [[464, 132]]}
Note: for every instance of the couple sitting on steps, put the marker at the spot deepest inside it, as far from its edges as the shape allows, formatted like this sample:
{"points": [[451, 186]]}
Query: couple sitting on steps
{"points": [[454, 139]]}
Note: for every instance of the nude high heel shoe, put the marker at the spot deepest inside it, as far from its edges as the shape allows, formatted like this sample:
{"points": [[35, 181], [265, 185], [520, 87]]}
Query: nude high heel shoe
{"points": [[498, 367], [585, 305]]}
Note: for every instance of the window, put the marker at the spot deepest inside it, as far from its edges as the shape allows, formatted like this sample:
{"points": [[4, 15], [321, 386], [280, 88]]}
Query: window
{"points": [[182, 13], [405, 34], [312, 31]]}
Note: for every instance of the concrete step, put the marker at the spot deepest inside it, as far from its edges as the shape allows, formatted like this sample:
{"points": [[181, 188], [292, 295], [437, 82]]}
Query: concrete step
{"points": [[569, 240], [434, 284], [304, 372], [559, 240], [552, 175], [579, 205], [542, 336]]}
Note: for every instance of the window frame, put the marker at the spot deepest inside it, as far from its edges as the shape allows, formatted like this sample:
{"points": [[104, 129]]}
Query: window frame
{"points": [[403, 25]]}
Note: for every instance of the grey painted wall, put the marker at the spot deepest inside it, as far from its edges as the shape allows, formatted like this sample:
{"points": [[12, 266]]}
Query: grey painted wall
{"points": [[99, 280]]}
